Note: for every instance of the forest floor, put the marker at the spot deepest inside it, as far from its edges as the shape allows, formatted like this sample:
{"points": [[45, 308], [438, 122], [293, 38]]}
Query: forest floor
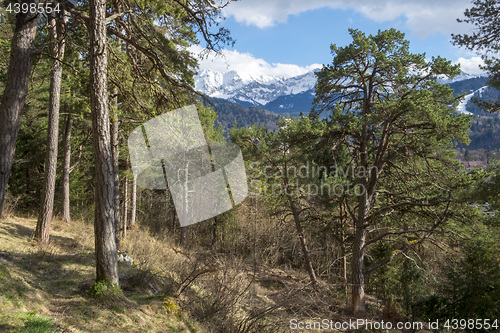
{"points": [[45, 289]]}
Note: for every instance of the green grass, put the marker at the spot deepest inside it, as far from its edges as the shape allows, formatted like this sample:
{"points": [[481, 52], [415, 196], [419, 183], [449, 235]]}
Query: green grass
{"points": [[51, 288], [37, 324]]}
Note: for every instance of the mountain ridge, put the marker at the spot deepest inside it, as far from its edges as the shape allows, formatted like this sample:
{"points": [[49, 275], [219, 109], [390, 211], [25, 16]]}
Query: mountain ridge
{"points": [[283, 95], [257, 91]]}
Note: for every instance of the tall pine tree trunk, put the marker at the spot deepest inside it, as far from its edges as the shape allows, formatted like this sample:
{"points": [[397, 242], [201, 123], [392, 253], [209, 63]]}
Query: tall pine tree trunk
{"points": [[116, 151], [14, 94], [68, 124], [358, 252], [357, 274], [57, 40], [185, 206], [104, 224], [125, 207], [133, 203], [303, 242]]}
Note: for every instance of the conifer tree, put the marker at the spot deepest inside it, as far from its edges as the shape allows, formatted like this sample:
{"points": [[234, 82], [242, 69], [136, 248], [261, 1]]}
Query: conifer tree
{"points": [[15, 91], [57, 27], [397, 123]]}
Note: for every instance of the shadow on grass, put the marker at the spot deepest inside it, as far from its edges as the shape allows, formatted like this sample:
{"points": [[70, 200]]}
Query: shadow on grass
{"points": [[52, 273], [57, 278], [26, 234]]}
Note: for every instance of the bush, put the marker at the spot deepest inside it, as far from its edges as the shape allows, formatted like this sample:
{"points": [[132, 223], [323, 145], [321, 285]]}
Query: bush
{"points": [[103, 289]]}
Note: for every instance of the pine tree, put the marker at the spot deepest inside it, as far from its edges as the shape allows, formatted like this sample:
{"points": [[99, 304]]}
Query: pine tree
{"points": [[15, 91], [104, 224], [397, 122], [57, 33]]}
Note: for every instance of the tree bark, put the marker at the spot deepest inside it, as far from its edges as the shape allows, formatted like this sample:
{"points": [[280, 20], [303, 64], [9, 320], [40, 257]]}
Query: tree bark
{"points": [[358, 276], [125, 207], [358, 254], [66, 215], [343, 250], [104, 224], [303, 242], [214, 231], [133, 203], [57, 39], [15, 92], [116, 151], [185, 207]]}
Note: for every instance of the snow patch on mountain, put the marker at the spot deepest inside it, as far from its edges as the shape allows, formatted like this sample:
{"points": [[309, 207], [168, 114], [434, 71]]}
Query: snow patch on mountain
{"points": [[461, 107]]}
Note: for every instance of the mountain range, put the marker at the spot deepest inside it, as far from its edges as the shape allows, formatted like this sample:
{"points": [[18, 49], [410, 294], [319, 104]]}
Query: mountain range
{"points": [[243, 100], [276, 94], [293, 95]]}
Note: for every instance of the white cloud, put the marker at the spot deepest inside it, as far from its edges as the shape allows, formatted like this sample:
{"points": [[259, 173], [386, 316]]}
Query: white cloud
{"points": [[423, 17], [248, 66], [470, 65]]}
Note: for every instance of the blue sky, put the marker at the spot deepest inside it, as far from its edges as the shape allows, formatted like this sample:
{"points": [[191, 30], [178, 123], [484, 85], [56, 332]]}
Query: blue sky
{"points": [[290, 37]]}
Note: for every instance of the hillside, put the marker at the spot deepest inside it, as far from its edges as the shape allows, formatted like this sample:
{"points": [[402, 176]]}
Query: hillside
{"points": [[483, 133], [468, 85], [485, 126], [45, 289], [230, 113], [164, 289]]}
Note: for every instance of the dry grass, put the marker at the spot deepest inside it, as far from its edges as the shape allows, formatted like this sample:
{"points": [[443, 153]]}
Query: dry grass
{"points": [[166, 289], [52, 281]]}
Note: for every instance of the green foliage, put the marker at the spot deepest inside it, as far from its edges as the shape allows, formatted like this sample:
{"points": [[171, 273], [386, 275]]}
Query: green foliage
{"points": [[396, 126], [104, 289], [402, 283], [5, 42], [385, 280], [488, 190], [388, 110], [284, 155], [152, 67], [471, 284], [208, 118], [148, 64], [171, 306]]}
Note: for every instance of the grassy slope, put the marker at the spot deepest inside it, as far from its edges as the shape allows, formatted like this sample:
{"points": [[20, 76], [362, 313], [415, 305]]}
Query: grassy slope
{"points": [[45, 289]]}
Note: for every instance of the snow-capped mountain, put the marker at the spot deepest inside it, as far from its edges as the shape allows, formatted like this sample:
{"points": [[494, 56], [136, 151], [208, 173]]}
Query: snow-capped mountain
{"points": [[461, 77], [295, 94], [257, 91]]}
